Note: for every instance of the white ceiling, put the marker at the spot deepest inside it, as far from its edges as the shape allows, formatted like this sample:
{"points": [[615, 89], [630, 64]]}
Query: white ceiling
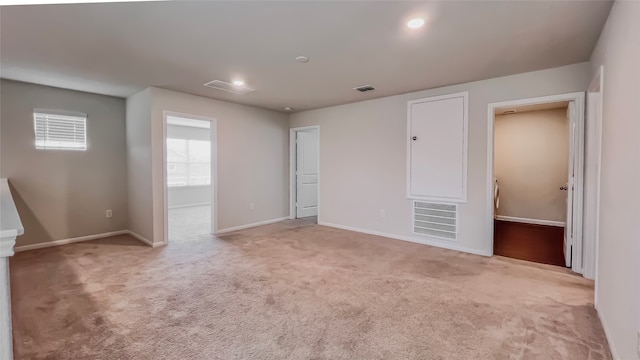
{"points": [[121, 48]]}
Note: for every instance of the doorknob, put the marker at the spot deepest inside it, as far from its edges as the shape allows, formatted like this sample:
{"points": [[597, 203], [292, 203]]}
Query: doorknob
{"points": [[414, 138]]}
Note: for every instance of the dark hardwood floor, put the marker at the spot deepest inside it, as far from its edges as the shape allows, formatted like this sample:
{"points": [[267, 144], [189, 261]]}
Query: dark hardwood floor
{"points": [[537, 243]]}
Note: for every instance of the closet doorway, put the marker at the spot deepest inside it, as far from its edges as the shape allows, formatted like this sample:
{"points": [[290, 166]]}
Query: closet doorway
{"points": [[536, 164], [189, 163], [304, 164]]}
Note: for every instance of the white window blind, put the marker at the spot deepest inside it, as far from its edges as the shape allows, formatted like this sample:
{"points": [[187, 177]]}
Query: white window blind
{"points": [[59, 130]]}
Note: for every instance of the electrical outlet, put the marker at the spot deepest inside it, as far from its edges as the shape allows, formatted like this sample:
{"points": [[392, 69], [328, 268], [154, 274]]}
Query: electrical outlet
{"points": [[109, 213], [382, 213], [252, 206]]}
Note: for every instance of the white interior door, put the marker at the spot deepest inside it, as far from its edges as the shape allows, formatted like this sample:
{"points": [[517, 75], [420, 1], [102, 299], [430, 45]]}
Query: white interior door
{"points": [[306, 173], [569, 229]]}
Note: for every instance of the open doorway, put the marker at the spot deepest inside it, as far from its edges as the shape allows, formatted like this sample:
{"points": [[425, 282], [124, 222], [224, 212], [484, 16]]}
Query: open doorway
{"points": [[305, 172], [536, 168], [189, 177]]}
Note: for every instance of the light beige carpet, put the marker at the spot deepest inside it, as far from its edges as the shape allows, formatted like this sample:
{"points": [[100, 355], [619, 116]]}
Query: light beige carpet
{"points": [[295, 290]]}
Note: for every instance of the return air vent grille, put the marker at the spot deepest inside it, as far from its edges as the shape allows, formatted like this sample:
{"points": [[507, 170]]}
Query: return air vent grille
{"points": [[225, 86], [439, 220], [364, 88]]}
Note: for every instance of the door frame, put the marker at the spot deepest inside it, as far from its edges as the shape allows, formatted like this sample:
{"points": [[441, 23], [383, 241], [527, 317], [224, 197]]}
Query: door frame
{"points": [[591, 258], [292, 168], [579, 98], [214, 168]]}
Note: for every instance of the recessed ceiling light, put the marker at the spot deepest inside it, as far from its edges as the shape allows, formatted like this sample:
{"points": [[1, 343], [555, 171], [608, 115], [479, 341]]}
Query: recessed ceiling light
{"points": [[288, 108], [302, 59], [238, 82], [415, 23]]}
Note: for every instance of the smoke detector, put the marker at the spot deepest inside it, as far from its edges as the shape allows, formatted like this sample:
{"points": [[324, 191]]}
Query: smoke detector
{"points": [[225, 86], [364, 88]]}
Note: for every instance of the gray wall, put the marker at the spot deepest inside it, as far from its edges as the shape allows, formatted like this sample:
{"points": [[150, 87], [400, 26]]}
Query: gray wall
{"points": [[253, 159], [618, 287], [64, 194], [138, 146], [531, 163], [363, 150]]}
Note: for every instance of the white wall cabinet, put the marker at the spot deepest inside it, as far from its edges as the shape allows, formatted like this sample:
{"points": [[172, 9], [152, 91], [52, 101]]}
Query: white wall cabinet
{"points": [[437, 148]]}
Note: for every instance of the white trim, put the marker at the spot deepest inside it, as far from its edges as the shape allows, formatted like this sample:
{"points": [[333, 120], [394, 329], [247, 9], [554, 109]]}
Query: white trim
{"points": [[530, 221], [422, 240], [145, 240], [292, 168], [247, 226], [214, 171], [592, 248], [188, 205], [579, 98], [465, 134], [69, 241], [607, 332], [7, 245]]}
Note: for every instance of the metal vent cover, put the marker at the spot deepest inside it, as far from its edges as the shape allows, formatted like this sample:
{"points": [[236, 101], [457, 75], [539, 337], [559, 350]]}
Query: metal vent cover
{"points": [[225, 86], [437, 220], [364, 88]]}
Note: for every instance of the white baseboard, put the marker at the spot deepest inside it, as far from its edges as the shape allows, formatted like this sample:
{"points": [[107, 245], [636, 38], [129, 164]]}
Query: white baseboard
{"points": [[614, 353], [530, 221], [424, 241], [145, 240], [69, 241], [242, 227], [188, 205]]}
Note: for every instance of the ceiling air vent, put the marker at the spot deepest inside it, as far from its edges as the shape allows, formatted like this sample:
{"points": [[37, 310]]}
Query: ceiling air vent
{"points": [[225, 86], [364, 88]]}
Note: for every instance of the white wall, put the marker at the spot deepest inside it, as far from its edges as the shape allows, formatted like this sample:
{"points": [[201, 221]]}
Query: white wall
{"points": [[252, 159], [618, 287], [139, 163], [363, 154], [62, 194], [531, 164]]}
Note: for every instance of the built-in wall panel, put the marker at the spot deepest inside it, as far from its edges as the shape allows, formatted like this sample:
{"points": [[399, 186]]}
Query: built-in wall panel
{"points": [[437, 148]]}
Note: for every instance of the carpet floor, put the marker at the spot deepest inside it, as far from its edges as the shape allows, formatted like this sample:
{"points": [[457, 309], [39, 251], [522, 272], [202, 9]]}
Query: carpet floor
{"points": [[189, 222], [295, 290]]}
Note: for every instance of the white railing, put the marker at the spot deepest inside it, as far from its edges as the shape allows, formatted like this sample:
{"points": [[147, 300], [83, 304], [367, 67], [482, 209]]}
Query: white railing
{"points": [[10, 229]]}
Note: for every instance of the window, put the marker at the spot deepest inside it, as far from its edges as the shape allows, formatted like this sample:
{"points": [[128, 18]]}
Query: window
{"points": [[188, 162], [60, 130]]}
